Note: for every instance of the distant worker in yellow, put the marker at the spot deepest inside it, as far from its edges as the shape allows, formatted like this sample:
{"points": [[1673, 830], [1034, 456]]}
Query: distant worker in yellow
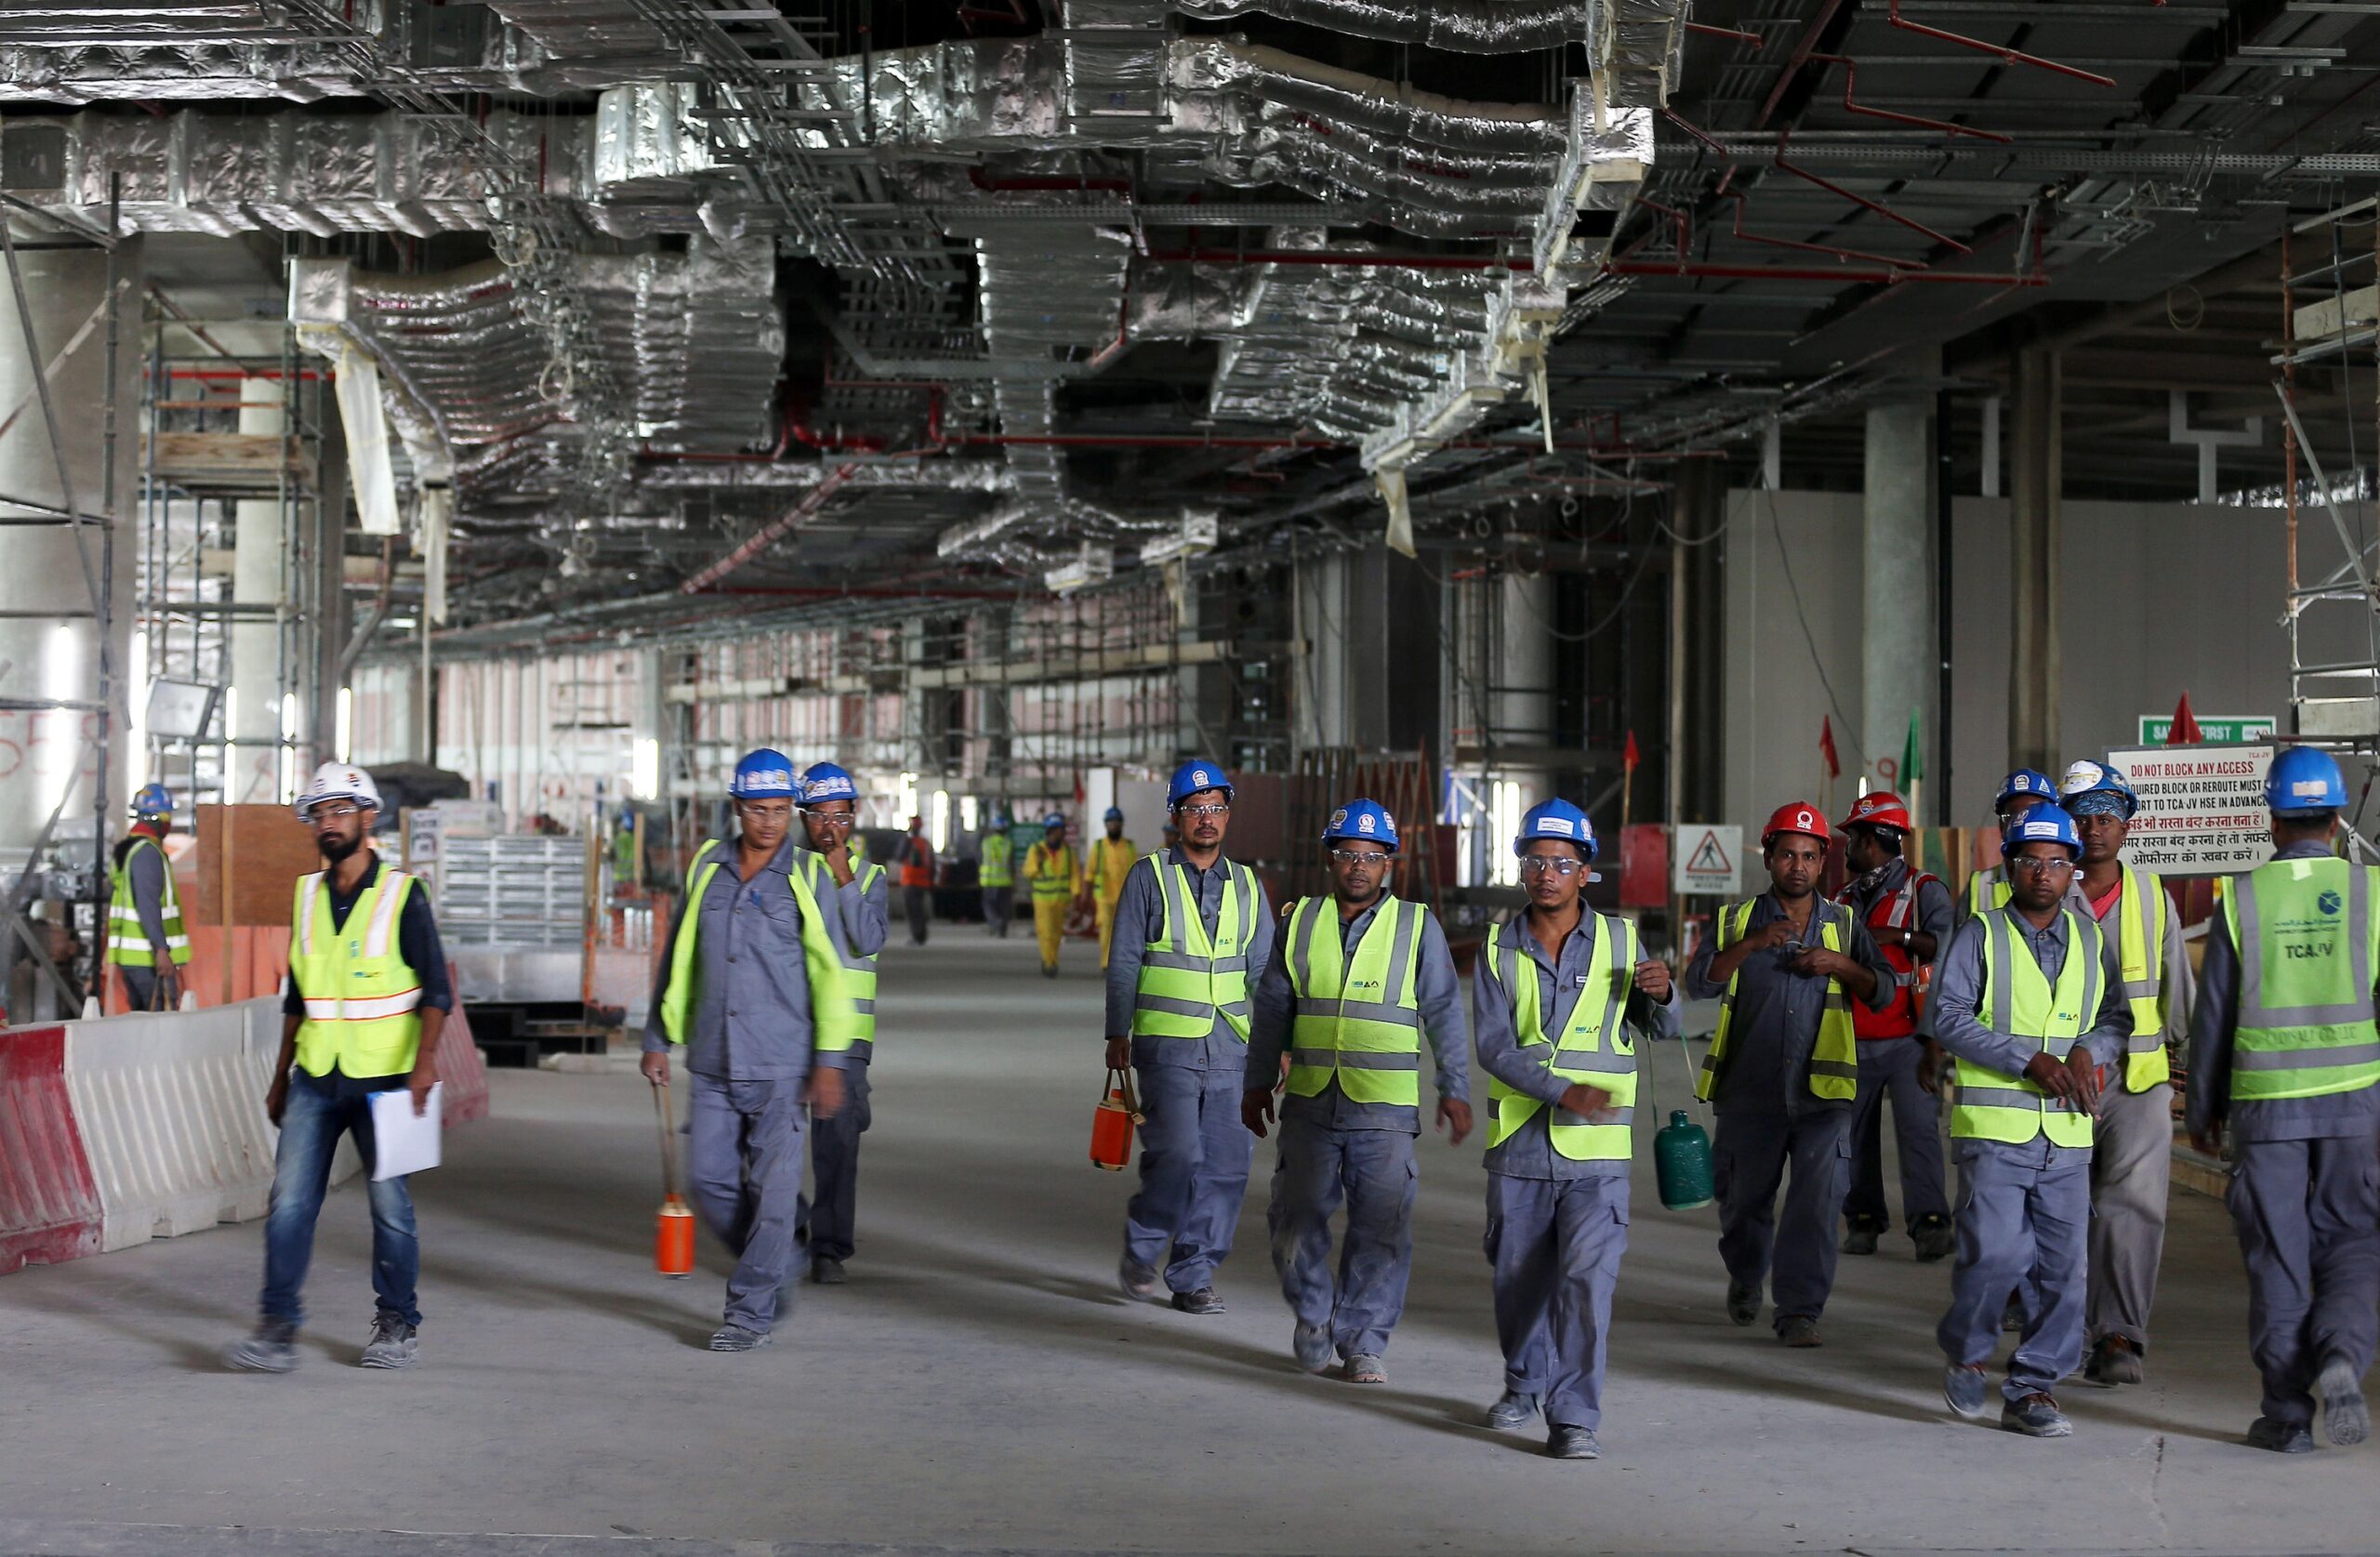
{"points": [[1053, 871], [1111, 859]]}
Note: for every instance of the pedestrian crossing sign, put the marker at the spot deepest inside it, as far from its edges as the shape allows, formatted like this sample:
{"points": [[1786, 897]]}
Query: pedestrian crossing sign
{"points": [[1706, 864]]}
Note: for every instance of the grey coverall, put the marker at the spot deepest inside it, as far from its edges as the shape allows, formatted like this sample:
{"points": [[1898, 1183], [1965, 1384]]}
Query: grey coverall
{"points": [[1332, 1148], [858, 925], [147, 869], [748, 1058], [1768, 1116], [1896, 1066], [1194, 1151], [2304, 1195], [1557, 1227], [2024, 1211]]}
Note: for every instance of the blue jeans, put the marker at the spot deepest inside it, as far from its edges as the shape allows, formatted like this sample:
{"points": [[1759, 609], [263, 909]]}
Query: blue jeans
{"points": [[311, 1126]]}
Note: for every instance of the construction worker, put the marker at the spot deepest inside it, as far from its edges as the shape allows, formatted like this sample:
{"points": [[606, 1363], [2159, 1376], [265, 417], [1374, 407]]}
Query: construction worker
{"points": [[1111, 859], [1782, 1072], [2132, 1149], [1053, 871], [2024, 1003], [2019, 792], [917, 879], [1908, 915], [1556, 988], [857, 923], [1362, 978], [754, 988], [147, 942], [366, 996], [2283, 1055], [996, 874], [1194, 934]]}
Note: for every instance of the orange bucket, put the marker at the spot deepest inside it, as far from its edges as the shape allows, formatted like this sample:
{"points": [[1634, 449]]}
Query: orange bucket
{"points": [[673, 1241], [1111, 1124]]}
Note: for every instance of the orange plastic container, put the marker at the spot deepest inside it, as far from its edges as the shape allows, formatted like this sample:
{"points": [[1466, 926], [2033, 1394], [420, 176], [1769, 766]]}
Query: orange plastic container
{"points": [[1111, 1124], [673, 1241]]}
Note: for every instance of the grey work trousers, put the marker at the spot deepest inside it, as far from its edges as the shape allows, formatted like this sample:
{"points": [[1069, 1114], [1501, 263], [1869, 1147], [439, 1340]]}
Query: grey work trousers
{"points": [[744, 1168], [999, 910], [1748, 1159], [1893, 1066], [834, 1161], [2132, 1176], [1372, 1172], [916, 903], [1555, 1245], [2023, 1214], [1195, 1158], [139, 988], [2309, 1218]]}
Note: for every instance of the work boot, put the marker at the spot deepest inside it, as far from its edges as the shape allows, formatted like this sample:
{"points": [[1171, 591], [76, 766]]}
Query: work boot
{"points": [[2345, 1418], [1934, 1238], [2114, 1361], [1963, 1386], [736, 1337], [1201, 1302], [392, 1344], [1136, 1279], [1799, 1331], [1048, 970], [2012, 1319], [827, 1270], [273, 1348], [1512, 1409], [1573, 1443], [2036, 1416], [1366, 1368], [1743, 1302], [1311, 1345], [1860, 1240], [2279, 1437]]}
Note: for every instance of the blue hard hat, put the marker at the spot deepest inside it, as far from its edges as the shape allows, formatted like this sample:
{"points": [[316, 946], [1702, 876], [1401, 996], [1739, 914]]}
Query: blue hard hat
{"points": [[2304, 781], [765, 774], [1559, 820], [154, 800], [1054, 820], [2085, 778], [823, 781], [1194, 775], [1364, 821], [1114, 814], [2025, 781], [2042, 825]]}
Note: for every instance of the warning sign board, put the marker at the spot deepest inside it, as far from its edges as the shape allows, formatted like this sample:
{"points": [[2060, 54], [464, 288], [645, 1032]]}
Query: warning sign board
{"points": [[1707, 861], [2201, 809]]}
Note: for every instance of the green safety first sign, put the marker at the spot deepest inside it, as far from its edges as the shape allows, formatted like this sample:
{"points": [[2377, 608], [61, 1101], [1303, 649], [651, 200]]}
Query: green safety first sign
{"points": [[2221, 730]]}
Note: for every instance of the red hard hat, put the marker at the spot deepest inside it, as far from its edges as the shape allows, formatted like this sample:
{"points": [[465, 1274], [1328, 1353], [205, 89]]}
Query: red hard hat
{"points": [[1879, 808], [1799, 817]]}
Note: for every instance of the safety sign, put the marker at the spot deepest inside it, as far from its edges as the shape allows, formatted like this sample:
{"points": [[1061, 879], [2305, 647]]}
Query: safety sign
{"points": [[2201, 809], [1707, 860]]}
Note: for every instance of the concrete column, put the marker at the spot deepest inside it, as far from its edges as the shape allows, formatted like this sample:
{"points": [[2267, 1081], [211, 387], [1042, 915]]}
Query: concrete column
{"points": [[2035, 471], [1898, 648], [1697, 644]]}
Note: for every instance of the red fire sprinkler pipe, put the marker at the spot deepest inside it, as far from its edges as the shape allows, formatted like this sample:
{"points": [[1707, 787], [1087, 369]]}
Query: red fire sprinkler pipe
{"points": [[2007, 56], [767, 535], [1851, 80]]}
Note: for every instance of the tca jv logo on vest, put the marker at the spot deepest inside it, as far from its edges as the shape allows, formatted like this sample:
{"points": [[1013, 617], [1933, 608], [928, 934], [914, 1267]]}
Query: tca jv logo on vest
{"points": [[2328, 905]]}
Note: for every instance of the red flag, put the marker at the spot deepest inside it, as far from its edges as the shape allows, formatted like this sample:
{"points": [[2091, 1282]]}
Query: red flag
{"points": [[1825, 747], [2184, 731], [1629, 757]]}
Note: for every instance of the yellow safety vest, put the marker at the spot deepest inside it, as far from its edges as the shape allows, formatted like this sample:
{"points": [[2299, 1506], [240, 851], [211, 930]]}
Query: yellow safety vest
{"points": [[2143, 917], [859, 972], [362, 1000], [2308, 941], [1052, 872], [1110, 859], [127, 938], [834, 1021], [1356, 1020], [1987, 890], [997, 870], [1594, 1047], [1834, 1062], [1186, 979], [2017, 999]]}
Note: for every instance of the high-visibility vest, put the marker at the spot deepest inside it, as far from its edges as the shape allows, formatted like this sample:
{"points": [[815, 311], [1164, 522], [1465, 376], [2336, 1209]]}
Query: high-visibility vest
{"points": [[2144, 918], [1052, 872], [859, 972], [362, 1000], [998, 855], [1188, 980], [127, 938], [1356, 1020], [1893, 911], [2307, 942], [1111, 860], [2017, 1000], [1593, 1047], [834, 1021], [1987, 890], [917, 862], [1834, 1063]]}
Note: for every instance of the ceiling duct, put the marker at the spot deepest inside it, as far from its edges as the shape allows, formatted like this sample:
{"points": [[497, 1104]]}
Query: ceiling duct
{"points": [[1458, 26]]}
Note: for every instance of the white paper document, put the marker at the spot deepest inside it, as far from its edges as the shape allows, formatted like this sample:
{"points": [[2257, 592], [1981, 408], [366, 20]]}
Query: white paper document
{"points": [[402, 1143]]}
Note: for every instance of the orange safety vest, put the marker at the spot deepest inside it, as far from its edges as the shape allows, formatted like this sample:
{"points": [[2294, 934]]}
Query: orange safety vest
{"points": [[1894, 911], [917, 862]]}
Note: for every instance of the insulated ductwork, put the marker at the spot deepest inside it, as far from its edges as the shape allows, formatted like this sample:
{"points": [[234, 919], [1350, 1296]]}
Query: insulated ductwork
{"points": [[1458, 26]]}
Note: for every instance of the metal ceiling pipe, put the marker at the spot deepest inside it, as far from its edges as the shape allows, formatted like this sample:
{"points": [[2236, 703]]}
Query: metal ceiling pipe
{"points": [[1458, 26]]}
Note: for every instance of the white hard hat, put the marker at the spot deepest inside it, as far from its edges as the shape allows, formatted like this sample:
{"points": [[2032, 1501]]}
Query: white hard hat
{"points": [[339, 781]]}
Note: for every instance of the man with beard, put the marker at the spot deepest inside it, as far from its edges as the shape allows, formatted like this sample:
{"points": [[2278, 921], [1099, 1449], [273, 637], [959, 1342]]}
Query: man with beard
{"points": [[857, 923], [366, 996], [1361, 978]]}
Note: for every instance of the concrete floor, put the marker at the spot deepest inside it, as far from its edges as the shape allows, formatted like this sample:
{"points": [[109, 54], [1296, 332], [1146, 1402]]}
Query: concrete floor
{"points": [[981, 1385]]}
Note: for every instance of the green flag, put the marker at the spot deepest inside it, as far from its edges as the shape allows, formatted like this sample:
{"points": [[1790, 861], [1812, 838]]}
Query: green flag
{"points": [[1913, 766]]}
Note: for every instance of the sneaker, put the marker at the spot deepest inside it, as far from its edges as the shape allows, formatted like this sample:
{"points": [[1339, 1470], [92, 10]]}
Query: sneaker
{"points": [[1136, 1279], [1311, 1345], [1743, 1302], [1201, 1302], [736, 1337], [826, 1271], [1799, 1331], [2279, 1437], [1573, 1443], [273, 1348], [2036, 1416], [1366, 1368], [1934, 1238], [2114, 1361], [1512, 1409], [1860, 1240], [2345, 1418], [392, 1344], [1964, 1388]]}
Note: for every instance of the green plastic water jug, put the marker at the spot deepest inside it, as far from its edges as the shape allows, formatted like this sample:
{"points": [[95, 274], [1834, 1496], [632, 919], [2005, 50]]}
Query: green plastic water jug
{"points": [[1682, 1163]]}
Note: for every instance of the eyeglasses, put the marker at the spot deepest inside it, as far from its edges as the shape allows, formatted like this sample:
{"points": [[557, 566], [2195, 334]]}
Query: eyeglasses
{"points": [[1371, 859], [2034, 865], [765, 811], [1542, 865], [321, 815], [1206, 810], [830, 818]]}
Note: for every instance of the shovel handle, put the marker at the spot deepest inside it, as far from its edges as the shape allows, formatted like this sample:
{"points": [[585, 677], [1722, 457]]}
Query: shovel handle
{"points": [[663, 1112]]}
